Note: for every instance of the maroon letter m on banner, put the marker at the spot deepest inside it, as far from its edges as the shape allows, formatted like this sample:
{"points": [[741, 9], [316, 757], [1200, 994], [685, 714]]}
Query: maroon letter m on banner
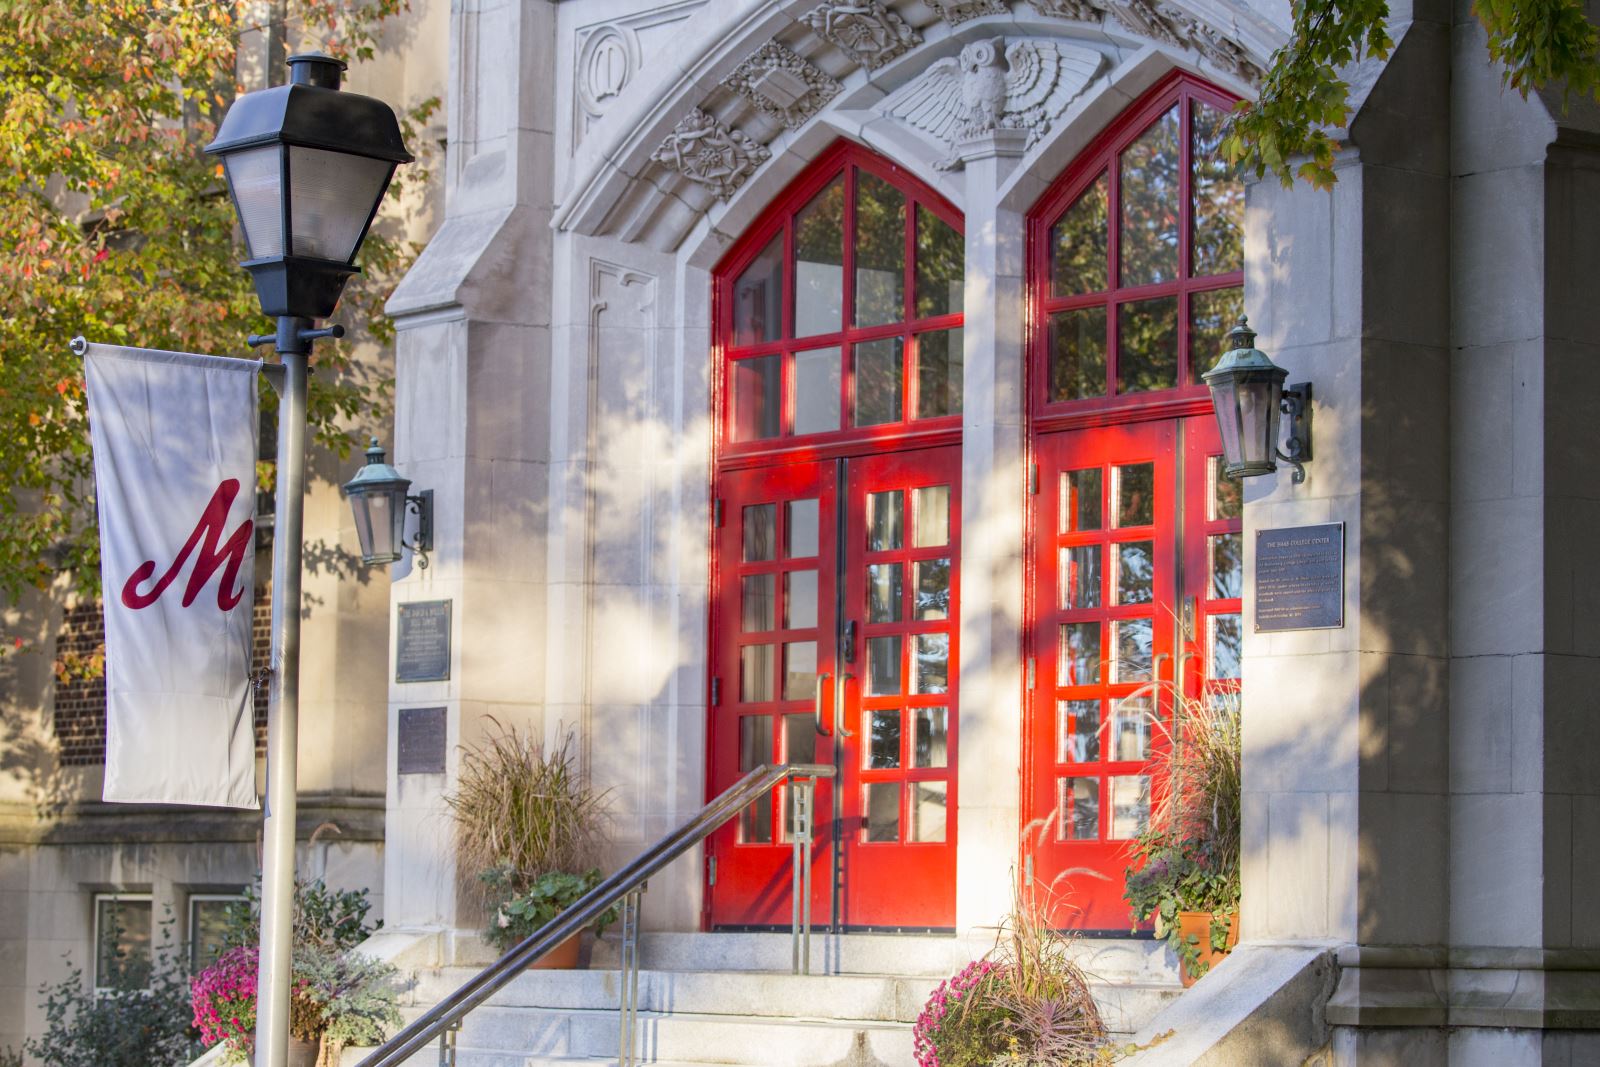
{"points": [[206, 534]]}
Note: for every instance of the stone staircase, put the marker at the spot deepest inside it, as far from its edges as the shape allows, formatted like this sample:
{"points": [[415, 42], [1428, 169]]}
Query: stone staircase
{"points": [[729, 999]]}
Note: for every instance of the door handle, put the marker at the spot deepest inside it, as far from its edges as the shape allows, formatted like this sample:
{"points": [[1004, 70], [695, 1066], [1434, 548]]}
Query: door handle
{"points": [[839, 720], [1155, 667], [822, 684]]}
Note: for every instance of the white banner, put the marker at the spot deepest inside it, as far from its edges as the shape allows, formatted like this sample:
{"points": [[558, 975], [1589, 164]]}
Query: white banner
{"points": [[175, 443]]}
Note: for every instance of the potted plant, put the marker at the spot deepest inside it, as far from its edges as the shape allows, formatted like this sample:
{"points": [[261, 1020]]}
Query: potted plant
{"points": [[532, 831], [1184, 875]]}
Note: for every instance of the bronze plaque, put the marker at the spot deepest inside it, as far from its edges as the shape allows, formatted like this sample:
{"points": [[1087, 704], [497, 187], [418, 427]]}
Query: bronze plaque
{"points": [[421, 736], [422, 642], [1300, 578]]}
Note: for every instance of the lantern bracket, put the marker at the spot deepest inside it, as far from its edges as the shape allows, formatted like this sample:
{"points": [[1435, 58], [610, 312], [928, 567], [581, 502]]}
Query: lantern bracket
{"points": [[1296, 452], [422, 505]]}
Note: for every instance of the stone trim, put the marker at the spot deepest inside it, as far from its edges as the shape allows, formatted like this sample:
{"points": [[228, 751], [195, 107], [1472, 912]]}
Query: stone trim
{"points": [[1477, 986]]}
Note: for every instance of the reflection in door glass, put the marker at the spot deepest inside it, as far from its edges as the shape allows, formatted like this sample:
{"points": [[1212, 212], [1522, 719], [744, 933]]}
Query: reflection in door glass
{"points": [[1147, 345], [880, 251], [1225, 640], [1080, 500], [1078, 731], [1080, 576], [885, 521], [931, 746], [882, 806], [880, 371], [801, 518], [800, 670], [816, 390], [819, 263], [932, 516], [1135, 580], [1080, 654], [933, 589], [760, 532], [1130, 728], [931, 667], [757, 397], [941, 265], [1227, 566], [758, 297], [927, 811], [799, 600], [1130, 804], [755, 673], [1080, 809], [1135, 494], [1227, 495], [883, 666], [883, 739], [1078, 354], [755, 748], [1150, 204], [1132, 651], [884, 592], [756, 596], [940, 358]]}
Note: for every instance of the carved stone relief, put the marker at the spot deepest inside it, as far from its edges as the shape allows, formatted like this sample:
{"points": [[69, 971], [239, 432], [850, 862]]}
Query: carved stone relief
{"points": [[711, 154], [1164, 22], [781, 84], [869, 32], [1080, 10], [956, 12], [995, 84], [608, 57]]}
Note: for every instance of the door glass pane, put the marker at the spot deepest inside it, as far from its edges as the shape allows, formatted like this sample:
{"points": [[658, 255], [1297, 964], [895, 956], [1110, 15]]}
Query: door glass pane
{"points": [[1218, 198], [1080, 654], [1147, 345], [881, 802], [757, 397], [1080, 500], [1135, 494], [931, 667], [757, 599], [933, 589], [819, 263], [1078, 354], [1211, 316], [931, 745], [800, 738], [1133, 654], [1227, 495], [760, 532], [885, 521], [1080, 809], [755, 748], [1130, 728], [1135, 572], [883, 666], [1150, 207], [1077, 731], [800, 670], [758, 297], [928, 811], [1080, 576], [880, 251], [755, 673], [1130, 804], [882, 749], [799, 600], [800, 517], [816, 390], [1227, 566], [941, 266], [932, 513], [879, 375], [939, 367], [1226, 641], [1078, 244], [884, 592]]}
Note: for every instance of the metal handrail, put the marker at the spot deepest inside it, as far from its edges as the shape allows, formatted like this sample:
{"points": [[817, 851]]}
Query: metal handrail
{"points": [[588, 908]]}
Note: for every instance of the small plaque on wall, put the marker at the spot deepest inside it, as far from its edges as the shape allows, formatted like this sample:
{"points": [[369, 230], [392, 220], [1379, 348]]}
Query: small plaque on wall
{"points": [[422, 642], [421, 744], [1300, 578]]}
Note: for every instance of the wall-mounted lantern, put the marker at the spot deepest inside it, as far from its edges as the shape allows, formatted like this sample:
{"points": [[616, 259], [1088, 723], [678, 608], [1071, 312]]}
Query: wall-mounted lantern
{"points": [[1249, 397], [379, 499]]}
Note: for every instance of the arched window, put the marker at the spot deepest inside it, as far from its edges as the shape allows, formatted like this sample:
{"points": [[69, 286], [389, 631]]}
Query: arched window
{"points": [[839, 313], [1137, 259]]}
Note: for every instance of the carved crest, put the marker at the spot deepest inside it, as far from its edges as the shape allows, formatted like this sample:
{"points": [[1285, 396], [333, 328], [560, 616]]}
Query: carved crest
{"points": [[956, 12], [868, 31], [1161, 21], [779, 83], [995, 84], [1080, 10], [708, 153]]}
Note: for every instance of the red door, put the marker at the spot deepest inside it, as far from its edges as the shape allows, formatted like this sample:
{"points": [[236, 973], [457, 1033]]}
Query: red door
{"points": [[1136, 584], [834, 641]]}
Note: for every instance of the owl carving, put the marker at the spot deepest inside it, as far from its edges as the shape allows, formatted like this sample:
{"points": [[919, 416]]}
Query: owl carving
{"points": [[995, 84]]}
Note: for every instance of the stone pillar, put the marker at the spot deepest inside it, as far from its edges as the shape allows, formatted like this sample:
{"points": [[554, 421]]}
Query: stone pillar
{"points": [[472, 424], [992, 496]]}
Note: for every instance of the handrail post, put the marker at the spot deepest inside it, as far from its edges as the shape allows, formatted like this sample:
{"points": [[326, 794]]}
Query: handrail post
{"points": [[808, 787], [628, 978]]}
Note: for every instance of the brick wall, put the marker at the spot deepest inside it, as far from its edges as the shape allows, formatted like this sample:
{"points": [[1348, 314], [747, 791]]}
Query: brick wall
{"points": [[80, 704]]}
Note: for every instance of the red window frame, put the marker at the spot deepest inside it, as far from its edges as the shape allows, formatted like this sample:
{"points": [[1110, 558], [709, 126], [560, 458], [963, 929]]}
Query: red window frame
{"points": [[1101, 157], [847, 158]]}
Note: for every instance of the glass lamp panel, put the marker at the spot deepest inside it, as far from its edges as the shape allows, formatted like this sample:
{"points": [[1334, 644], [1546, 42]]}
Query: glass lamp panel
{"points": [[361, 506], [819, 263], [1225, 402], [256, 177], [1258, 421], [331, 197], [396, 506], [758, 298]]}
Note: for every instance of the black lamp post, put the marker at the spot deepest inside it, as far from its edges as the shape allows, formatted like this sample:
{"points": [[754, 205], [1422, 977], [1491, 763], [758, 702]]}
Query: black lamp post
{"points": [[379, 499], [1248, 395], [307, 167]]}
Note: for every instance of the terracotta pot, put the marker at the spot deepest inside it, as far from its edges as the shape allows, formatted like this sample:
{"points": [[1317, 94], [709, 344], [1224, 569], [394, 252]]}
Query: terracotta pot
{"points": [[564, 957], [1197, 924]]}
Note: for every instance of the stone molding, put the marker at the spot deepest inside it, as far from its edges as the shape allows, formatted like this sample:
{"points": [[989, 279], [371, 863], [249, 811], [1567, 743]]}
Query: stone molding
{"points": [[779, 83], [955, 12], [865, 30], [711, 154], [1478, 986], [1164, 22]]}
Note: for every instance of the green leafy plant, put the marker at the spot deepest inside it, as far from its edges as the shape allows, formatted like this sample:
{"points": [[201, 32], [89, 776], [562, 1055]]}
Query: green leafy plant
{"points": [[519, 913], [342, 998], [334, 919]]}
